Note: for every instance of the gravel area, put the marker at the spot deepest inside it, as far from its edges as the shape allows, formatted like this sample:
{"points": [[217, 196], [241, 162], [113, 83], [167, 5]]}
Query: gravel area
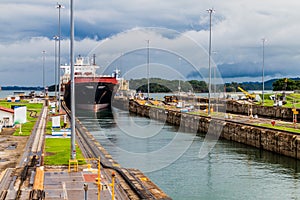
{"points": [[11, 148]]}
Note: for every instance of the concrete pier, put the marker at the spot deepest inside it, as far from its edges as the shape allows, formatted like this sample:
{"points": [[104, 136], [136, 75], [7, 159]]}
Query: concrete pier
{"points": [[31, 179], [240, 107], [239, 128]]}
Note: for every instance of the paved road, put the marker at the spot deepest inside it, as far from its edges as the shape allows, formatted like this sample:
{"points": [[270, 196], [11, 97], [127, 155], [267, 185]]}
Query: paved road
{"points": [[64, 185]]}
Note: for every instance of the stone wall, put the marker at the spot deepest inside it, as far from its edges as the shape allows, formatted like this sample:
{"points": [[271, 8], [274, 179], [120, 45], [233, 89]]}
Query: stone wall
{"points": [[264, 111], [280, 142], [233, 106]]}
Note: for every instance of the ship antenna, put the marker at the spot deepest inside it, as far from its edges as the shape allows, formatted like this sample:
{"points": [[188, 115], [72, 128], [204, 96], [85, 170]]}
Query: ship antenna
{"points": [[94, 59]]}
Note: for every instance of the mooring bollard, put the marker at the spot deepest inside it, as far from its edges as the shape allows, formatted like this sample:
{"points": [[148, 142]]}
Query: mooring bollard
{"points": [[85, 187]]}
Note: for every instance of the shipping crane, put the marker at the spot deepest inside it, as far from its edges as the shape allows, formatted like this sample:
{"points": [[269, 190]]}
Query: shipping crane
{"points": [[247, 94]]}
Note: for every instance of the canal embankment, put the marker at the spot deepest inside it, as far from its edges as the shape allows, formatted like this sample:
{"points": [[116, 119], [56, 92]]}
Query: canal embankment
{"points": [[133, 183], [242, 107], [237, 128]]}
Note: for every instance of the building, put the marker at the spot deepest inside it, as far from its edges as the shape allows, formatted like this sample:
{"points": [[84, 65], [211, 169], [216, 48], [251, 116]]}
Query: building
{"points": [[6, 117]]}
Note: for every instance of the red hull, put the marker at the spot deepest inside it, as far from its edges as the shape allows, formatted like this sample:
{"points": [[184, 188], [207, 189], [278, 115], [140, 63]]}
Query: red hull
{"points": [[111, 80]]}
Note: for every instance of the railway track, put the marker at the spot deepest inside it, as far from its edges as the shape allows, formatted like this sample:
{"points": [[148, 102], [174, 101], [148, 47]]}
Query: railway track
{"points": [[35, 141], [4, 183], [32, 152], [92, 150], [39, 135]]}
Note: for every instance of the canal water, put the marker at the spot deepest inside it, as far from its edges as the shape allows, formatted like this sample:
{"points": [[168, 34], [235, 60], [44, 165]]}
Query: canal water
{"points": [[170, 158]]}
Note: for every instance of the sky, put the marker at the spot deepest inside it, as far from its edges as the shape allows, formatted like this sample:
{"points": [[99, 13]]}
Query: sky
{"points": [[176, 33]]}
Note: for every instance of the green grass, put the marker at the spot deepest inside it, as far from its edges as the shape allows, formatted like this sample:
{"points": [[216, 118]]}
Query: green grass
{"points": [[49, 125], [289, 98], [280, 127], [33, 111], [295, 96], [58, 151]]}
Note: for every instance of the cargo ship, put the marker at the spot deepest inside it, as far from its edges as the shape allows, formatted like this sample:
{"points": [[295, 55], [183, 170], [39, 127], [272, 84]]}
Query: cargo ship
{"points": [[92, 91]]}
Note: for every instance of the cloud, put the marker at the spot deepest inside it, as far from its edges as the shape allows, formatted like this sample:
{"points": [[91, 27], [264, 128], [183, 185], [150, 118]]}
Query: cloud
{"points": [[237, 29]]}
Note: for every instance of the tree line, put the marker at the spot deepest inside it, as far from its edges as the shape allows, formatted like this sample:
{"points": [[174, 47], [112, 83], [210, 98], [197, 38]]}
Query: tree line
{"points": [[158, 85], [286, 84]]}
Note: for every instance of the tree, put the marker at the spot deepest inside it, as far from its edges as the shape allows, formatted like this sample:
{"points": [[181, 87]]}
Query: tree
{"points": [[286, 84]]}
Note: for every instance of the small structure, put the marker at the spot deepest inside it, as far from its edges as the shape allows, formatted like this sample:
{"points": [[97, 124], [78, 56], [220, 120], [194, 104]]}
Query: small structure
{"points": [[62, 132], [6, 117]]}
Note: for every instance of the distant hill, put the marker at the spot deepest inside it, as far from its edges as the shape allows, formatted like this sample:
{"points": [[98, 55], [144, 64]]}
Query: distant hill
{"points": [[256, 85], [162, 85]]}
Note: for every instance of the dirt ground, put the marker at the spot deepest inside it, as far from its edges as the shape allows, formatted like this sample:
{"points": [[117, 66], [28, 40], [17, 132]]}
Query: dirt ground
{"points": [[11, 148]]}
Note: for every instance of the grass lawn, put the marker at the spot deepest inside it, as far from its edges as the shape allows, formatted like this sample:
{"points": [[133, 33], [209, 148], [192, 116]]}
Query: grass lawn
{"points": [[280, 127], [48, 127], [33, 111], [292, 100], [58, 151]]}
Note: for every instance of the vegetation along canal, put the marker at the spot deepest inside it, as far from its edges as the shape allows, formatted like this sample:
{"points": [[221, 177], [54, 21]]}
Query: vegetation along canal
{"points": [[170, 158]]}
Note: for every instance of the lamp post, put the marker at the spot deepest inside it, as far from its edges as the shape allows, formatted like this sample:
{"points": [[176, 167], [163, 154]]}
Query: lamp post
{"points": [[59, 6], [179, 86], [73, 149], [216, 95], [148, 70], [55, 65], [210, 11], [44, 52], [263, 71]]}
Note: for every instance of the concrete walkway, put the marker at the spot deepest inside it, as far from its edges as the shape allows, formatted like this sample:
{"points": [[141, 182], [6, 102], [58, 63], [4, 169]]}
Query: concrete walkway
{"points": [[64, 185]]}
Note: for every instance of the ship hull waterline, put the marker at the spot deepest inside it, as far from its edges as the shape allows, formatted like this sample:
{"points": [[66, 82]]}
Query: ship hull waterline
{"points": [[91, 95]]}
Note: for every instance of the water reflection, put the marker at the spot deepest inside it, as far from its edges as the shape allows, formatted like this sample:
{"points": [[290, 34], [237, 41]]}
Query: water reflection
{"points": [[102, 119], [230, 171], [106, 119], [252, 154]]}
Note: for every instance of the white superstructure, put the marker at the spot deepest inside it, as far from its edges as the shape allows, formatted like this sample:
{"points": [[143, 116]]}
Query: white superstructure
{"points": [[82, 68]]}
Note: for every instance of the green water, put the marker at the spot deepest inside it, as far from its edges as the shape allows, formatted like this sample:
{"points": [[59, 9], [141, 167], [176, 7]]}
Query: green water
{"points": [[229, 171]]}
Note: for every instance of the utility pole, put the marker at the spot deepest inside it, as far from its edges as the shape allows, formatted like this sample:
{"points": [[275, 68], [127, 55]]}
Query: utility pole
{"points": [[179, 86], [210, 11], [148, 69], [263, 71], [59, 6], [44, 52], [73, 149], [55, 65]]}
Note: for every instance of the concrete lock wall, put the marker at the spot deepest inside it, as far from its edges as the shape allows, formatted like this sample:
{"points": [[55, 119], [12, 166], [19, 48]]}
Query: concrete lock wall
{"points": [[280, 142], [270, 112], [238, 107]]}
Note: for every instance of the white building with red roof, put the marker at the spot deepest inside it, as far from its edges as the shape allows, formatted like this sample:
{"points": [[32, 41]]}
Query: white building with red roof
{"points": [[6, 117]]}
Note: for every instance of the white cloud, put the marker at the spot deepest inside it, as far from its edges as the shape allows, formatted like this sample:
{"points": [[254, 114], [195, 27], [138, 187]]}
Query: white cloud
{"points": [[238, 27]]}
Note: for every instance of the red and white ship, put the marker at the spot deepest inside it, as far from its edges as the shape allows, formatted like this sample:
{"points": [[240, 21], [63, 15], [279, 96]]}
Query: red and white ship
{"points": [[92, 91]]}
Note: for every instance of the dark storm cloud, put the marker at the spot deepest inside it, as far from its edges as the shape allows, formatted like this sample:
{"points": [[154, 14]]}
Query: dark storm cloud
{"points": [[28, 27]]}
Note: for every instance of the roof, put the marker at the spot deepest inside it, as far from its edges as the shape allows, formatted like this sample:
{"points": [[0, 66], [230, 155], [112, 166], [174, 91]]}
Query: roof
{"points": [[7, 110]]}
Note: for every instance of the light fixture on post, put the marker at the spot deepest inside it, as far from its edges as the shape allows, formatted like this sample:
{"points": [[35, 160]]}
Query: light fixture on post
{"points": [[73, 148], [210, 11], [44, 52], [263, 71], [148, 70], [55, 65], [59, 6], [179, 86]]}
